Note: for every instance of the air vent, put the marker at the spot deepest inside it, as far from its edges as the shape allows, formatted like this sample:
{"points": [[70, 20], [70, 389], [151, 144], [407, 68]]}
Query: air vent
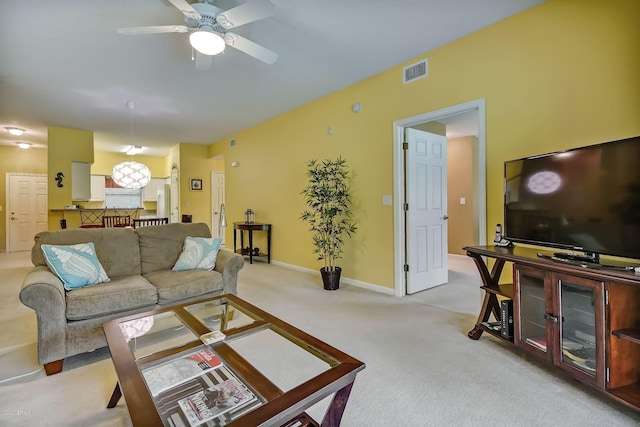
{"points": [[416, 71]]}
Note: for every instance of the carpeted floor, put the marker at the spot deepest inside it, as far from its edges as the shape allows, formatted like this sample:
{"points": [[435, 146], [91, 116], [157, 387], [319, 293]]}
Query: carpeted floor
{"points": [[422, 370]]}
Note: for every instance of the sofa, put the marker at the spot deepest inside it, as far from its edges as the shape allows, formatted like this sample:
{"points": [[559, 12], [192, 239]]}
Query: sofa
{"points": [[138, 263]]}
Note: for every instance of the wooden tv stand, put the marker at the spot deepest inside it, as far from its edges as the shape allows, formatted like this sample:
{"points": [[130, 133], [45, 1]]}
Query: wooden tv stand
{"points": [[583, 320]]}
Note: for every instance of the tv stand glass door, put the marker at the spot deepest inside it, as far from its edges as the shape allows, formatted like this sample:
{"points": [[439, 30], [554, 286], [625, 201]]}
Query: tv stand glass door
{"points": [[582, 341]]}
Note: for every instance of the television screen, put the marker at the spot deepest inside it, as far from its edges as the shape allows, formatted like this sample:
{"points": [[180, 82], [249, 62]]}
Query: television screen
{"points": [[585, 199]]}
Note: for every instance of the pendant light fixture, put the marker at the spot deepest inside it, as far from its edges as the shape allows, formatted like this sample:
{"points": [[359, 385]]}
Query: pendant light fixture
{"points": [[131, 174]]}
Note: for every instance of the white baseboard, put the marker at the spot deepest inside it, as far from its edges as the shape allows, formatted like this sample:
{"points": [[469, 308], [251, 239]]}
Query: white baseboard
{"points": [[346, 280]]}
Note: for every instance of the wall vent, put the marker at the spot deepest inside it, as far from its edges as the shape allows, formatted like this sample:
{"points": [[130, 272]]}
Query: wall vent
{"points": [[416, 71]]}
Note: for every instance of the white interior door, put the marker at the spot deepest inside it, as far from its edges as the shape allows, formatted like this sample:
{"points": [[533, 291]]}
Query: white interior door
{"points": [[26, 210], [426, 216], [217, 199]]}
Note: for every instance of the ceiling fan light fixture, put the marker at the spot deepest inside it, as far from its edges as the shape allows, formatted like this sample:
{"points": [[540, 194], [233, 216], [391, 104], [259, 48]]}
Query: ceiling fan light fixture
{"points": [[207, 42]]}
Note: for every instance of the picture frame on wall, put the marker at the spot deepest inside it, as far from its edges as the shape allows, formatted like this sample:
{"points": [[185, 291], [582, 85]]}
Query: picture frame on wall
{"points": [[196, 184]]}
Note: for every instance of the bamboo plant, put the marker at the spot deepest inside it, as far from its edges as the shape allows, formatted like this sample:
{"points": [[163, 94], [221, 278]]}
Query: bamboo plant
{"points": [[328, 212]]}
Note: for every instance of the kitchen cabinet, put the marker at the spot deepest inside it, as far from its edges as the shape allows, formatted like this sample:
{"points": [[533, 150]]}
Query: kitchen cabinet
{"points": [[97, 188], [80, 181], [150, 191]]}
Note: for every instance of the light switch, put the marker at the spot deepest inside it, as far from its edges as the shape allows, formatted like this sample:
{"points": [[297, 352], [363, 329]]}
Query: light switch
{"points": [[386, 200], [463, 201]]}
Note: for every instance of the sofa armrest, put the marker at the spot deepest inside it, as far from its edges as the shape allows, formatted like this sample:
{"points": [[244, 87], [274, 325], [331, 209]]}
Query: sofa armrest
{"points": [[229, 264], [43, 292]]}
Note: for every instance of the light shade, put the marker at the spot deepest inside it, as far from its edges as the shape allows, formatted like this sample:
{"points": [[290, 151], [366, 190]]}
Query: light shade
{"points": [[207, 42], [23, 145], [15, 131], [131, 175]]}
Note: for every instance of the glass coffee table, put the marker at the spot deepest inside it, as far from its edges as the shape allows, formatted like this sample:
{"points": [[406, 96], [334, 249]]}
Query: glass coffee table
{"points": [[278, 370]]}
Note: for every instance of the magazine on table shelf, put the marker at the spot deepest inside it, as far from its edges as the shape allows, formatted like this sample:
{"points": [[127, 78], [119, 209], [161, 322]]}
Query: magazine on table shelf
{"points": [[213, 399], [166, 375]]}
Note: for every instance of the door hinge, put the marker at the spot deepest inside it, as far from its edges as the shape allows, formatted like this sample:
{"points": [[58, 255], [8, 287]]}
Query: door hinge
{"points": [[405, 206], [606, 297], [608, 375], [406, 268], [405, 146]]}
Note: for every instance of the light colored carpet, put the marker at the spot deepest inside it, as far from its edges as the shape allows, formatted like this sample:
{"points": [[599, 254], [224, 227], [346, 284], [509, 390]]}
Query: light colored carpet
{"points": [[422, 370]]}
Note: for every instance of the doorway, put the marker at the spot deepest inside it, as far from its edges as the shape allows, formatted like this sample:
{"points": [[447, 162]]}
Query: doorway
{"points": [[399, 129], [174, 188], [27, 212], [217, 202]]}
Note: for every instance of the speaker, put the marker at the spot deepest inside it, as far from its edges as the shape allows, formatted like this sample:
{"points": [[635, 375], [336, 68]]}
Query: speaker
{"points": [[506, 315]]}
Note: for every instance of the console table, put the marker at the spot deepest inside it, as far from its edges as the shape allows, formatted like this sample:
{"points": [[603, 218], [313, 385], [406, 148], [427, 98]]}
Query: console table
{"points": [[250, 227], [581, 318]]}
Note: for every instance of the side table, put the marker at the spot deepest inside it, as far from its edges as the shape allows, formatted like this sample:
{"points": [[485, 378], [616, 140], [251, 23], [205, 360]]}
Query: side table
{"points": [[250, 228]]}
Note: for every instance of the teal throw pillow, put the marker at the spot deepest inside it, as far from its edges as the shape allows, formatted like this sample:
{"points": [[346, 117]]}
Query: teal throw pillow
{"points": [[198, 253], [76, 265]]}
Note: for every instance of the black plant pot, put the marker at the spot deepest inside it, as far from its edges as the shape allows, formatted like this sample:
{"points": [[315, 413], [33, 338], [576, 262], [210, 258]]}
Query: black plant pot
{"points": [[331, 278]]}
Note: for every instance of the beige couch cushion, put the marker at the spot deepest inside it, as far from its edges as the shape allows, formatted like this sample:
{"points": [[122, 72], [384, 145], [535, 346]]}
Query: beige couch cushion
{"points": [[117, 248], [178, 285], [160, 246], [118, 295]]}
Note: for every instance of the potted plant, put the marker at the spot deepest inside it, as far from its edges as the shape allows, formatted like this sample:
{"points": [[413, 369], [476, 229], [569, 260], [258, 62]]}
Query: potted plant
{"points": [[328, 214]]}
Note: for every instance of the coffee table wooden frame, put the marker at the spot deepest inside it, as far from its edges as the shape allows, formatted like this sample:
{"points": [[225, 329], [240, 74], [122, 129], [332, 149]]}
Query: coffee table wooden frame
{"points": [[280, 407]]}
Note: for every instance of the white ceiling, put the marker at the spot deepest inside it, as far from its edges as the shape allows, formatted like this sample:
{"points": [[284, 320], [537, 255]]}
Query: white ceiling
{"points": [[63, 64]]}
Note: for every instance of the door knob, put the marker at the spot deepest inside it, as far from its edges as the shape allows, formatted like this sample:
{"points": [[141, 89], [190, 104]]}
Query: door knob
{"points": [[445, 217]]}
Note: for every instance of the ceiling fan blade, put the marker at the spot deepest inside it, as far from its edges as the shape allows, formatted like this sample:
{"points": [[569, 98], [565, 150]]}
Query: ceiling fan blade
{"points": [[186, 9], [250, 48], [203, 62], [153, 29], [245, 13]]}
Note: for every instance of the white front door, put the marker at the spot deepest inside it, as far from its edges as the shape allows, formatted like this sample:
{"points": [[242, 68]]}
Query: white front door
{"points": [[217, 199], [27, 212], [426, 216]]}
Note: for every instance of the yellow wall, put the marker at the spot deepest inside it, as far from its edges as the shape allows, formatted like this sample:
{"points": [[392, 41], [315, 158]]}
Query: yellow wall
{"points": [[17, 160], [194, 164], [560, 75], [65, 146], [104, 163], [460, 170]]}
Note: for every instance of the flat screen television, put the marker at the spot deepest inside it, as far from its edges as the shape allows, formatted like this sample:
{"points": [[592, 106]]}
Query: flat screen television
{"points": [[585, 199]]}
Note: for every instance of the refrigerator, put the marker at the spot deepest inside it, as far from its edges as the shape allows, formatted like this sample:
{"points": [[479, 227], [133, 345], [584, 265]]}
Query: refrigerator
{"points": [[163, 206]]}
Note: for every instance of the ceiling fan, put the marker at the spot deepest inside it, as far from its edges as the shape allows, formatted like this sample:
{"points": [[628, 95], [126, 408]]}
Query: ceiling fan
{"points": [[209, 27]]}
